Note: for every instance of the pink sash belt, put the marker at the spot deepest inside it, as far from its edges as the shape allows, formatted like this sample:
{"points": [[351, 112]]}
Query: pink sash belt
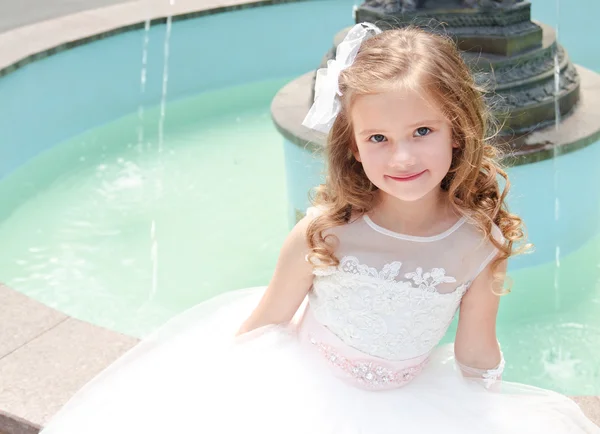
{"points": [[354, 366]]}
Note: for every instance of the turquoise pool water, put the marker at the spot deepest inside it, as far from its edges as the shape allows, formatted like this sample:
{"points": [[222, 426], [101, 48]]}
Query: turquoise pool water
{"points": [[125, 229], [134, 232]]}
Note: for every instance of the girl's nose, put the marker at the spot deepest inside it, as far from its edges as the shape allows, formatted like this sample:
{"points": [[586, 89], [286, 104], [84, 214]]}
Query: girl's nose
{"points": [[402, 156]]}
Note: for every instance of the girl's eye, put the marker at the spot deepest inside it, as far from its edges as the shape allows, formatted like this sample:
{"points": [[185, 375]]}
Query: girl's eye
{"points": [[422, 131], [377, 138]]}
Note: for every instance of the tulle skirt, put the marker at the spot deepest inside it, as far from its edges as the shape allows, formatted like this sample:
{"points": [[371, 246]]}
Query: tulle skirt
{"points": [[194, 376]]}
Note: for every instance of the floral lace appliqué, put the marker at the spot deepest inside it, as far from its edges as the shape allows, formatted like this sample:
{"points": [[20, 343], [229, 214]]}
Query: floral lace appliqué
{"points": [[429, 280], [350, 264], [375, 313]]}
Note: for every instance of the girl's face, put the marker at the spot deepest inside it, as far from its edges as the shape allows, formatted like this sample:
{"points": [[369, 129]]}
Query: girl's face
{"points": [[404, 143]]}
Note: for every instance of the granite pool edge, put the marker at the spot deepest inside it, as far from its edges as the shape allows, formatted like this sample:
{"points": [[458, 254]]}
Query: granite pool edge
{"points": [[24, 45], [46, 356]]}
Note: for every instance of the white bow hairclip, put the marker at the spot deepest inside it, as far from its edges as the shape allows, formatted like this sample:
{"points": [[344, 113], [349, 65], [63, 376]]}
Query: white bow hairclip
{"points": [[326, 106]]}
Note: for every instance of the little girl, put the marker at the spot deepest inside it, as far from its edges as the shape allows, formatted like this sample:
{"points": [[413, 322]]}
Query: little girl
{"points": [[410, 226]]}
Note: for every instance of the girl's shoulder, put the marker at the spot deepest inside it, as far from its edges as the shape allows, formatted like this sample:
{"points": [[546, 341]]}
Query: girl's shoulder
{"points": [[478, 247], [473, 229]]}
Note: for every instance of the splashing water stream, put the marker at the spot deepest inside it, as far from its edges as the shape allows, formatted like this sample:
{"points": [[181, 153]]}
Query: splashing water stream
{"points": [[143, 76], [555, 155], [161, 135]]}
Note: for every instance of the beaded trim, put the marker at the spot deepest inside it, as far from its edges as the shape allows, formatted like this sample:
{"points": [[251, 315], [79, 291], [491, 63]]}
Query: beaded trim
{"points": [[368, 373]]}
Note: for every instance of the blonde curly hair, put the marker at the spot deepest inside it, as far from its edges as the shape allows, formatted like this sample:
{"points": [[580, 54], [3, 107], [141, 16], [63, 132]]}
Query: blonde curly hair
{"points": [[472, 181]]}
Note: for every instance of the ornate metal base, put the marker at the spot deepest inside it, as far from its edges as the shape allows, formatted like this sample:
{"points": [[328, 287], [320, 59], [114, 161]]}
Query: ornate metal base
{"points": [[505, 30], [522, 87]]}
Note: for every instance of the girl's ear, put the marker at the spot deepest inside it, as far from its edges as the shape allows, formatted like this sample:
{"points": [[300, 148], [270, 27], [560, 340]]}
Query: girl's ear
{"points": [[354, 152]]}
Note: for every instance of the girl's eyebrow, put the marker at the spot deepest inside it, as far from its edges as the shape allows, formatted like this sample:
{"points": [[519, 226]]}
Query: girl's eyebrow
{"points": [[415, 125], [425, 122], [372, 131]]}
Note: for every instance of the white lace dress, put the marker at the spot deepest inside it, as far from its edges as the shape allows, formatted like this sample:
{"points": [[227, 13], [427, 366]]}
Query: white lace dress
{"points": [[362, 357]]}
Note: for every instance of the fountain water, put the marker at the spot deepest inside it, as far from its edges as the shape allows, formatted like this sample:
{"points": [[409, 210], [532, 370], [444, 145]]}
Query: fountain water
{"points": [[165, 81], [143, 77], [555, 154], [159, 178]]}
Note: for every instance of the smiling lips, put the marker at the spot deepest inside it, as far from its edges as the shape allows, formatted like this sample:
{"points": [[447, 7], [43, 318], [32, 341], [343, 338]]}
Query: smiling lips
{"points": [[408, 177]]}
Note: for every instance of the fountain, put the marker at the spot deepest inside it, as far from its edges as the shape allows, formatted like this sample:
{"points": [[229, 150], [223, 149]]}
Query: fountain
{"points": [[546, 105]]}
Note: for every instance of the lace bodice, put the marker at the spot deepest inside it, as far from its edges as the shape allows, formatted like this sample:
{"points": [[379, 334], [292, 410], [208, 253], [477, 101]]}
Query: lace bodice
{"points": [[393, 296]]}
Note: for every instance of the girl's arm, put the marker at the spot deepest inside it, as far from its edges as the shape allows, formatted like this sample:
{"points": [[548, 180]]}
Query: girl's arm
{"points": [[476, 348], [289, 285]]}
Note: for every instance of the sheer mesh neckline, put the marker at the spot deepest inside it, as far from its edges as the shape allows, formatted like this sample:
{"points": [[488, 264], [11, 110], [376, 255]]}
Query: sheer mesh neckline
{"points": [[398, 235]]}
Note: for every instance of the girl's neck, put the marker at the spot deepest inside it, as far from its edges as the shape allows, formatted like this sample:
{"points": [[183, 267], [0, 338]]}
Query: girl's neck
{"points": [[427, 216]]}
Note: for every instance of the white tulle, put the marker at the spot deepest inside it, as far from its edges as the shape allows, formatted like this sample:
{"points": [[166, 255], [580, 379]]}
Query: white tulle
{"points": [[193, 376]]}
